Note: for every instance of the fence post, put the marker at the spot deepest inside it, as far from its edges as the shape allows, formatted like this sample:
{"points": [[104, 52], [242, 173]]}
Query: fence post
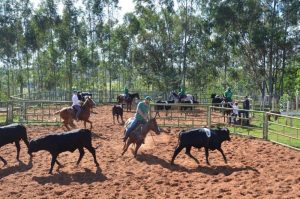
{"points": [[10, 116], [209, 116], [265, 125]]}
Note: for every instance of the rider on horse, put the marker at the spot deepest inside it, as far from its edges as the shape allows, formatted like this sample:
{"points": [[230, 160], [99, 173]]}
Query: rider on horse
{"points": [[76, 104], [141, 116], [228, 95], [181, 93], [126, 92]]}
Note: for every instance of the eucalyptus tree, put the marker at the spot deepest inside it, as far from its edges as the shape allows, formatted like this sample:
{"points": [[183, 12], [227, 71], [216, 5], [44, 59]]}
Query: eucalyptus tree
{"points": [[129, 42], [67, 41], [255, 32], [52, 19], [29, 40], [8, 39]]}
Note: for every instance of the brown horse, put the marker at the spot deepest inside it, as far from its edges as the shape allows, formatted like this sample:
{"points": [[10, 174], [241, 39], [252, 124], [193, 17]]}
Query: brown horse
{"points": [[68, 114], [121, 99], [139, 134]]}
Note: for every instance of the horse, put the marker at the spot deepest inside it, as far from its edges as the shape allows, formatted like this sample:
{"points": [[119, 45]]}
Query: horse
{"points": [[227, 111], [138, 135], [217, 100], [128, 101], [68, 114], [174, 96]]}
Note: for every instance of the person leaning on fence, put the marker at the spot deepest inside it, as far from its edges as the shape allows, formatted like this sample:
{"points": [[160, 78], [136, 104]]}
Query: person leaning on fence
{"points": [[235, 111], [141, 116], [246, 107], [76, 104]]}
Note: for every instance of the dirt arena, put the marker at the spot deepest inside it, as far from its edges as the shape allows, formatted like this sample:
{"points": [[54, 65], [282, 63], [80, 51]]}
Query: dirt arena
{"points": [[255, 169]]}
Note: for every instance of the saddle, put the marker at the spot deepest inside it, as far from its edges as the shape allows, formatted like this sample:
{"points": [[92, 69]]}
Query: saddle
{"points": [[74, 110], [128, 124]]}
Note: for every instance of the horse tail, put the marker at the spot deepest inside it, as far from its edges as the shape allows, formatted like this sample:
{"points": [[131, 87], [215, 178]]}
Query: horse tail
{"points": [[57, 112]]}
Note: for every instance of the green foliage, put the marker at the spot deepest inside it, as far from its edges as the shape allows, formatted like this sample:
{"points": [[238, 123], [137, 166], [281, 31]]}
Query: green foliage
{"points": [[205, 45]]}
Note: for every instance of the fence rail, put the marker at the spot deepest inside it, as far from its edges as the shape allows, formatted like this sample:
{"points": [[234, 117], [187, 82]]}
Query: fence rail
{"points": [[285, 129]]}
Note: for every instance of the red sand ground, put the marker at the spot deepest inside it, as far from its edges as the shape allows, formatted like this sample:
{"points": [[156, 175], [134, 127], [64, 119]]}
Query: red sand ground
{"points": [[255, 169]]}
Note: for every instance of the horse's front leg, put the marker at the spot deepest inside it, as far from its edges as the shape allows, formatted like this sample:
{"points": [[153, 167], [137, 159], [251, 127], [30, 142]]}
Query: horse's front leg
{"points": [[126, 145], [91, 125], [138, 145], [66, 125]]}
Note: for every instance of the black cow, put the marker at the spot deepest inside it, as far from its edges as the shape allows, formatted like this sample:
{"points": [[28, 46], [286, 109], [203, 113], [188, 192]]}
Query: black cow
{"points": [[201, 137], [117, 111], [163, 107], [13, 133], [275, 116], [57, 143]]}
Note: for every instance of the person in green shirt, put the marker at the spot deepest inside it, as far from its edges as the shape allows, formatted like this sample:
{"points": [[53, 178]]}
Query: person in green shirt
{"points": [[126, 92], [181, 93], [228, 95], [141, 116]]}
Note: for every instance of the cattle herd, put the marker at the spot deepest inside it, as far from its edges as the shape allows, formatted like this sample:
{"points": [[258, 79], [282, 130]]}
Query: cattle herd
{"points": [[56, 143]]}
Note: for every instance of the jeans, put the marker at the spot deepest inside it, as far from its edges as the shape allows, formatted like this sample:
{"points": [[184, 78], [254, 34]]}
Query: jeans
{"points": [[133, 125], [78, 110], [245, 113]]}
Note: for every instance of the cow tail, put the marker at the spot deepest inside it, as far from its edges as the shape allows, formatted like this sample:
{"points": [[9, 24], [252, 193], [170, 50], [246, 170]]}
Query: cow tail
{"points": [[179, 136]]}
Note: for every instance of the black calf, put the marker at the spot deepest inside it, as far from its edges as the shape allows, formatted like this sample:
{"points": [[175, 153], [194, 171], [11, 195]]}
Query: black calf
{"points": [[13, 133], [117, 111], [202, 137], [57, 143]]}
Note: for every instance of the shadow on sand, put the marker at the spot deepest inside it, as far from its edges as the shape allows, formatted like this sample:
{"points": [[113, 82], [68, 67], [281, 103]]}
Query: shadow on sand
{"points": [[22, 167], [63, 178], [206, 169]]}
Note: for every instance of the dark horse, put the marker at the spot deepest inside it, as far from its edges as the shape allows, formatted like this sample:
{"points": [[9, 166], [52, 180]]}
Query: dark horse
{"points": [[128, 101], [217, 100], [68, 113], [139, 134], [188, 97], [220, 101]]}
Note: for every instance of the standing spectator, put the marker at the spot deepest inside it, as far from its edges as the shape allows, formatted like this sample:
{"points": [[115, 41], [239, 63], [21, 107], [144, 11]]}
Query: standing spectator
{"points": [[246, 107], [235, 111], [228, 95]]}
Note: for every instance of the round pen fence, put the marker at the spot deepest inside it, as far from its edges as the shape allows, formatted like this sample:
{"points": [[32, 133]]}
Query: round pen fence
{"points": [[34, 111], [180, 115], [39, 108]]}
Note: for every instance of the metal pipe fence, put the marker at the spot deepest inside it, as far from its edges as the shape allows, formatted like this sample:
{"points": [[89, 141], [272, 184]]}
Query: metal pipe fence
{"points": [[260, 124]]}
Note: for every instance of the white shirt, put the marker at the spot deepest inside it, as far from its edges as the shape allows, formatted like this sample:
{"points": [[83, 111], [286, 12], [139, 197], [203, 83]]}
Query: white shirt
{"points": [[235, 109], [75, 100]]}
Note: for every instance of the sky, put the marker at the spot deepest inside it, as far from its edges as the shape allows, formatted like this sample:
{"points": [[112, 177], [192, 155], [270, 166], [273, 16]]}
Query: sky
{"points": [[126, 6]]}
